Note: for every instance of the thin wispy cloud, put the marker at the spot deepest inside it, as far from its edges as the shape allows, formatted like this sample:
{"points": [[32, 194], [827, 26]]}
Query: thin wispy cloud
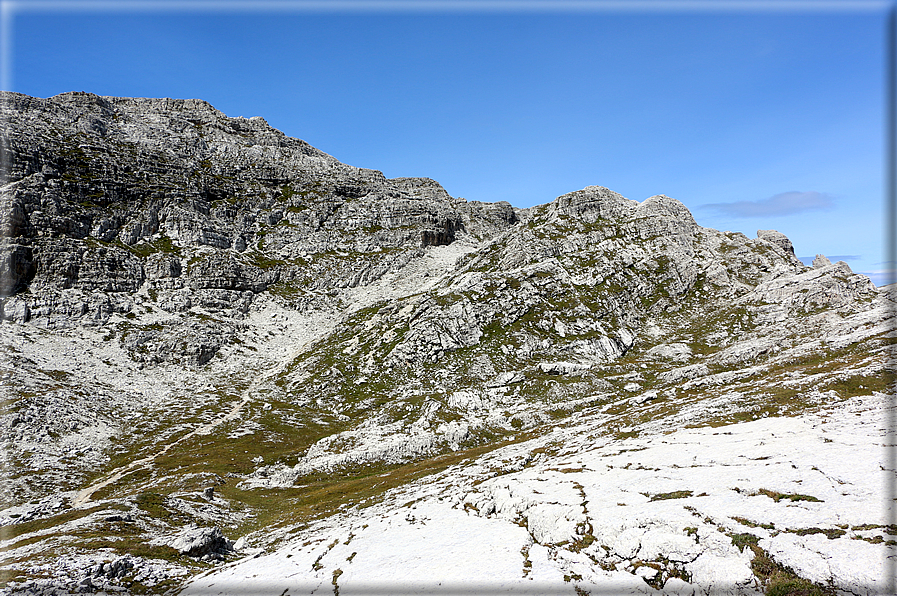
{"points": [[832, 258], [786, 203]]}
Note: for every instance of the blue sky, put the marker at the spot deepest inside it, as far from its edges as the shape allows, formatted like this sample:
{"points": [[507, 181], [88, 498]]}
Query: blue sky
{"points": [[756, 115]]}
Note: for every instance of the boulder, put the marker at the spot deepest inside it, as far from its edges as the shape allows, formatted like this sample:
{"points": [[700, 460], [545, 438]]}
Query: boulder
{"points": [[15, 309], [199, 542]]}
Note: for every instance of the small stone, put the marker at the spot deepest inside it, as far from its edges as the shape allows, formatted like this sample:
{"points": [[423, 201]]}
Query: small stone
{"points": [[646, 572], [644, 397]]}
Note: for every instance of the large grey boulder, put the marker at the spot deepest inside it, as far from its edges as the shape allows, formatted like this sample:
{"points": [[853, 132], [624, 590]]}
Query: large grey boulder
{"points": [[199, 542]]}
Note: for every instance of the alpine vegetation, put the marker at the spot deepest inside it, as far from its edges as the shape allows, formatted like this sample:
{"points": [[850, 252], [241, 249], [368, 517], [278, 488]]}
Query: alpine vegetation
{"points": [[234, 365]]}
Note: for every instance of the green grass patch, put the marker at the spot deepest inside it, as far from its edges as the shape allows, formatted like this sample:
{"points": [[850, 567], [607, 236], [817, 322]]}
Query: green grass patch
{"points": [[135, 546], [327, 493], [678, 494], [620, 435], [777, 496], [285, 290], [262, 261], [744, 540], [830, 533], [858, 385], [46, 523], [746, 522], [153, 504], [136, 476], [787, 584], [776, 578]]}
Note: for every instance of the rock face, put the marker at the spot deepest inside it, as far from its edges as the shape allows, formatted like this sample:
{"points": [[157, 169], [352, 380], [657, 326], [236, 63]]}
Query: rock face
{"points": [[198, 310]]}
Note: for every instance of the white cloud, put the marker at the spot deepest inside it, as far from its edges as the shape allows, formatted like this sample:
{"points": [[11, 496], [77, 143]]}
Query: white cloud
{"points": [[785, 203]]}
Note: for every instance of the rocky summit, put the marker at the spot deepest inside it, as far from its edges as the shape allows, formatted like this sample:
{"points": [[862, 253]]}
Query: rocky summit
{"points": [[234, 365]]}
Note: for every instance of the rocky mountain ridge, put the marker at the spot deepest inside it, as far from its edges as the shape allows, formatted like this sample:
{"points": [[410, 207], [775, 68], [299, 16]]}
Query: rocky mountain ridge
{"points": [[209, 325]]}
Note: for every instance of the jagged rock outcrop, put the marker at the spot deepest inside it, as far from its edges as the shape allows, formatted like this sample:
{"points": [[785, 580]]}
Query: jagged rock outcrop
{"points": [[821, 261], [777, 238]]}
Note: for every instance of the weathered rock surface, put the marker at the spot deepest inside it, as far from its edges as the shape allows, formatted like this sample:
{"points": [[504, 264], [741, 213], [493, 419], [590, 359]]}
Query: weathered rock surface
{"points": [[200, 542], [821, 261], [191, 301]]}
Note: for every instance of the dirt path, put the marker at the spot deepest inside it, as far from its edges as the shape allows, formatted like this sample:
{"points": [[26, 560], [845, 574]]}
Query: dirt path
{"points": [[388, 288], [82, 498]]}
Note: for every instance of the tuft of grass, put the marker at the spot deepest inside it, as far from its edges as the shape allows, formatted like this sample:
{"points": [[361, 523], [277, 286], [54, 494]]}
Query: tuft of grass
{"points": [[744, 540], [777, 496], [336, 574], [830, 533], [678, 494], [785, 584], [581, 543], [59, 375], [746, 522], [620, 435]]}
